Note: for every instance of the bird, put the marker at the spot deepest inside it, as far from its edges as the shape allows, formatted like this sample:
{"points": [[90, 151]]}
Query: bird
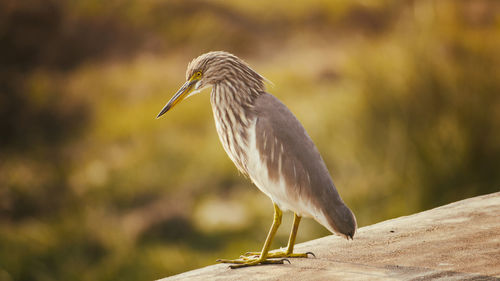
{"points": [[269, 145]]}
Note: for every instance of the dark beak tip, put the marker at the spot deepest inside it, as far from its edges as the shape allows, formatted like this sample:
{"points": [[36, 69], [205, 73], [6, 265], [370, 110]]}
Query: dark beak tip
{"points": [[163, 111]]}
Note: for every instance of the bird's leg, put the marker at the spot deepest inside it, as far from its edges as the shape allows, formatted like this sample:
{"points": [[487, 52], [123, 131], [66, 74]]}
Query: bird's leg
{"points": [[291, 243], [288, 253], [262, 257]]}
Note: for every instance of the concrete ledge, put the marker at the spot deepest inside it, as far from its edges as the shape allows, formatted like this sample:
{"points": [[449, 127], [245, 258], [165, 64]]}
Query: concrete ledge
{"points": [[453, 242]]}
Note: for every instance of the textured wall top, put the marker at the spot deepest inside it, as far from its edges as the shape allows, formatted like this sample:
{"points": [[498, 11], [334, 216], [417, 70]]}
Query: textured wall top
{"points": [[453, 242]]}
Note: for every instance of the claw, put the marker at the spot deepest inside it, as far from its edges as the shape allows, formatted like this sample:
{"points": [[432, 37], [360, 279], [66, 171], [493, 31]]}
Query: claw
{"points": [[311, 253], [283, 261]]}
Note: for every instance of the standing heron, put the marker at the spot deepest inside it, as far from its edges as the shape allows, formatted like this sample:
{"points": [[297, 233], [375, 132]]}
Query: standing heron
{"points": [[269, 145]]}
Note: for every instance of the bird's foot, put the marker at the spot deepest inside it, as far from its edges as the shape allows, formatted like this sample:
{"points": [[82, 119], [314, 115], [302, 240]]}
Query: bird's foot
{"points": [[281, 253], [251, 261]]}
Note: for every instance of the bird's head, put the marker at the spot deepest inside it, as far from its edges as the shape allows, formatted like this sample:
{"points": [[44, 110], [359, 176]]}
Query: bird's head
{"points": [[209, 69]]}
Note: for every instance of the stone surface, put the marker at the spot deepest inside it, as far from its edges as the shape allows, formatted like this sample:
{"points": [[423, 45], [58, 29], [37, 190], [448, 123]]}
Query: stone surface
{"points": [[459, 241]]}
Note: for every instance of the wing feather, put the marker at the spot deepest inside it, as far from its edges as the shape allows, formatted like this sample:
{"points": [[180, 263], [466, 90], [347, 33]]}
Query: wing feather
{"points": [[290, 154]]}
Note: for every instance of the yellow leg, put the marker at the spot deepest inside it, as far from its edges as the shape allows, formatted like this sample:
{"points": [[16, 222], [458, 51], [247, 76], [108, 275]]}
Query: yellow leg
{"points": [[262, 257], [293, 234], [288, 253]]}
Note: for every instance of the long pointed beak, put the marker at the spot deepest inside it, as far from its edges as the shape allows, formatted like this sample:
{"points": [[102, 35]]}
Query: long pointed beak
{"points": [[181, 94]]}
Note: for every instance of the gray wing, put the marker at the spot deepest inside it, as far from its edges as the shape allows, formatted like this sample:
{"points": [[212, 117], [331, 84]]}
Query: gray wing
{"points": [[287, 150]]}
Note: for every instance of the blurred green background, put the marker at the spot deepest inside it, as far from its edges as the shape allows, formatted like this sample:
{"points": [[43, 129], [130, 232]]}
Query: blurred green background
{"points": [[402, 98]]}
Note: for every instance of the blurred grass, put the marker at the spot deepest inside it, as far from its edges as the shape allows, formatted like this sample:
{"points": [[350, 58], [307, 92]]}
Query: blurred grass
{"points": [[401, 98]]}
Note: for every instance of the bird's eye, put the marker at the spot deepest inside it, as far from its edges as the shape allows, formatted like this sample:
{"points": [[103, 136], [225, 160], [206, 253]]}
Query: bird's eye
{"points": [[197, 74]]}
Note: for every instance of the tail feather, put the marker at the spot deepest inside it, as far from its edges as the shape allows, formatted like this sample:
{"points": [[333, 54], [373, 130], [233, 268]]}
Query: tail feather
{"points": [[341, 220]]}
